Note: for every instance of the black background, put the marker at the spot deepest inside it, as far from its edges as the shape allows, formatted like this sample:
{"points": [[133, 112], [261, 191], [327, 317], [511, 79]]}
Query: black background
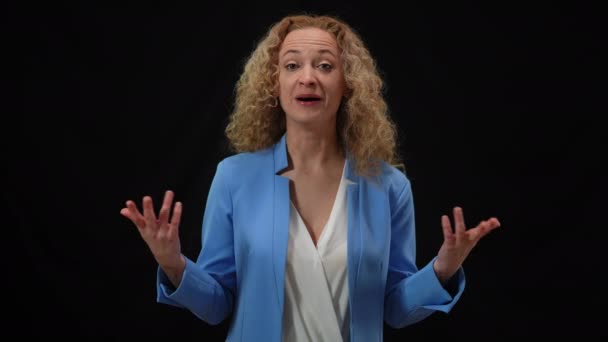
{"points": [[496, 104]]}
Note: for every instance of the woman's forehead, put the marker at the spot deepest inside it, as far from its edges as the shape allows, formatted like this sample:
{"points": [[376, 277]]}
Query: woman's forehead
{"points": [[309, 38]]}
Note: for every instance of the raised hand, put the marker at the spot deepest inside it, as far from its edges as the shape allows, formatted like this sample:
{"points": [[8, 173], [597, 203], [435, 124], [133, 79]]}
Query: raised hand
{"points": [[458, 243], [160, 234]]}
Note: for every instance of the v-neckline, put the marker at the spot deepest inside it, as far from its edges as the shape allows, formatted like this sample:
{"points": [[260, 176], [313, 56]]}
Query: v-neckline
{"points": [[330, 218]]}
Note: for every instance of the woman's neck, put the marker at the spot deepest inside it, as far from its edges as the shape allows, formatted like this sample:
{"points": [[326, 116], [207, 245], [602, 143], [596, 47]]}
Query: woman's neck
{"points": [[313, 150]]}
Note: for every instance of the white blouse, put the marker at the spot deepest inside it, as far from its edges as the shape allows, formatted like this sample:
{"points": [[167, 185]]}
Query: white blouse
{"points": [[316, 283]]}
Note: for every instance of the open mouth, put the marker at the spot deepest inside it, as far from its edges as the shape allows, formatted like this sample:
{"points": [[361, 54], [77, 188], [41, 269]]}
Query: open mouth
{"points": [[308, 99]]}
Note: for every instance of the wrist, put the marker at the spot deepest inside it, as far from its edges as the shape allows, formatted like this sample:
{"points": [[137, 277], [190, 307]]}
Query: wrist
{"points": [[175, 270], [443, 275], [173, 264]]}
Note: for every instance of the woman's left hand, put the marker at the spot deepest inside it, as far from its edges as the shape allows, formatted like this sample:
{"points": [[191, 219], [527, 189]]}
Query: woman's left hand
{"points": [[458, 243]]}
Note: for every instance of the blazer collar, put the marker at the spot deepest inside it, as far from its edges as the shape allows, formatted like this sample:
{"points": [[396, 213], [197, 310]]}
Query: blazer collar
{"points": [[281, 162], [280, 155]]}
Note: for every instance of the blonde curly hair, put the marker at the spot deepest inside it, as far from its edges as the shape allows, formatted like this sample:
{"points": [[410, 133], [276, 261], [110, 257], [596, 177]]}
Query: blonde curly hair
{"points": [[365, 130]]}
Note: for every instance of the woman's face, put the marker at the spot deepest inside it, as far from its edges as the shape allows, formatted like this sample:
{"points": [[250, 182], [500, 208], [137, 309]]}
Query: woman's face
{"points": [[311, 80]]}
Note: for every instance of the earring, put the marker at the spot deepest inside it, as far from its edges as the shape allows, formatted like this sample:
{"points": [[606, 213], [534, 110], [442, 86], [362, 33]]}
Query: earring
{"points": [[276, 102]]}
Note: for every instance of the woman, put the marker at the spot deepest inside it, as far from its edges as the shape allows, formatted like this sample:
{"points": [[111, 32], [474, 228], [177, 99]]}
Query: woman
{"points": [[308, 233]]}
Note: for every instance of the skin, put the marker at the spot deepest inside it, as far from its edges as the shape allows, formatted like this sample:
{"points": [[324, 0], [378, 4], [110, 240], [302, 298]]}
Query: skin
{"points": [[458, 243], [309, 63], [161, 233]]}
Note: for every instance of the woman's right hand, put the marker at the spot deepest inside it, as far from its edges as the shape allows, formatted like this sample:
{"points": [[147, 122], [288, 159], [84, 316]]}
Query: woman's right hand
{"points": [[160, 234]]}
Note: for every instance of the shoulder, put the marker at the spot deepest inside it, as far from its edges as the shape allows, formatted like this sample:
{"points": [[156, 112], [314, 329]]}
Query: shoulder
{"points": [[395, 181], [391, 176], [245, 165], [246, 159]]}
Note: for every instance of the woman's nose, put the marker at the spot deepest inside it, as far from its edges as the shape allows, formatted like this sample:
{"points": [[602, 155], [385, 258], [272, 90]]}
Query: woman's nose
{"points": [[307, 76]]}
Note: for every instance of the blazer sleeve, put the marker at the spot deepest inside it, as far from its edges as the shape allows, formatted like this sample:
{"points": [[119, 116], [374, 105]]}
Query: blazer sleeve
{"points": [[412, 294], [208, 286]]}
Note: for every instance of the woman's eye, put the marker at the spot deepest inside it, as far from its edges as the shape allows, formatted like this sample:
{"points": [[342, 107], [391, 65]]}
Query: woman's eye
{"points": [[325, 66], [291, 66]]}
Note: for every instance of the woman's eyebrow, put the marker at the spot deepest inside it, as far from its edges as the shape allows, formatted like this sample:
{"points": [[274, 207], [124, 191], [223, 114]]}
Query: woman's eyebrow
{"points": [[321, 52]]}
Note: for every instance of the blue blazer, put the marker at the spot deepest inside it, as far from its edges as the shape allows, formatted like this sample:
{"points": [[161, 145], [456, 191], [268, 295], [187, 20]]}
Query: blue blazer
{"points": [[241, 267]]}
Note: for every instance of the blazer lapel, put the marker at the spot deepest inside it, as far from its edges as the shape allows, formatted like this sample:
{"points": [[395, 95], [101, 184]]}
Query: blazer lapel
{"points": [[280, 222], [354, 250]]}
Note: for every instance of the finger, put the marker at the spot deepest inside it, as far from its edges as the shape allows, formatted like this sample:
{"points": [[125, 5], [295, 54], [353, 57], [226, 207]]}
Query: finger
{"points": [[177, 215], [484, 228], [133, 209], [149, 215], [447, 228], [135, 215], [459, 221], [489, 225], [494, 222], [478, 232], [126, 213], [163, 216]]}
